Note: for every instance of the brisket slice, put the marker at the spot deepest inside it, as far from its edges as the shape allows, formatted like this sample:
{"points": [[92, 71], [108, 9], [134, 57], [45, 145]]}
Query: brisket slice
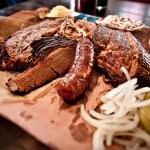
{"points": [[18, 50], [46, 45], [54, 57], [56, 64], [119, 48]]}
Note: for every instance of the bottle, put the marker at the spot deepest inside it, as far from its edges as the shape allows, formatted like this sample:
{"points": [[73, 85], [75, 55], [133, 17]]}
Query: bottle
{"points": [[86, 6], [101, 8]]}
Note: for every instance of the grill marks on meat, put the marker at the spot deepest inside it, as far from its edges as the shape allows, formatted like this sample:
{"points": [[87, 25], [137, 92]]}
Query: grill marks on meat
{"points": [[18, 49], [56, 63], [119, 49]]}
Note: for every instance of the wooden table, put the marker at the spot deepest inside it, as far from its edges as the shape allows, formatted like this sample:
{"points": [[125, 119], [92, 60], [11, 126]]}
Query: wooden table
{"points": [[134, 10], [14, 138]]}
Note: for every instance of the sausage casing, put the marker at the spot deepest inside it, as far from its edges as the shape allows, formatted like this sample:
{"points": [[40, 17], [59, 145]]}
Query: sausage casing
{"points": [[76, 80]]}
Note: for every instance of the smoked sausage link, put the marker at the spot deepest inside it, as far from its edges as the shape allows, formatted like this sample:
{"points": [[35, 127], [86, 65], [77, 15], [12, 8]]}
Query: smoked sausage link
{"points": [[76, 80]]}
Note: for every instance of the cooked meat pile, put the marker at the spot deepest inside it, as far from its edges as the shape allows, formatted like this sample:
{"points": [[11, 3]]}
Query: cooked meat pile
{"points": [[144, 38], [17, 50], [119, 48], [46, 50], [53, 57]]}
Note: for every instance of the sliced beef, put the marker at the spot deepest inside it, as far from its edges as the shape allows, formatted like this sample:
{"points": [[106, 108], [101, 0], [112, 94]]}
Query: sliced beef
{"points": [[58, 60], [18, 47], [46, 45], [119, 48], [140, 62]]}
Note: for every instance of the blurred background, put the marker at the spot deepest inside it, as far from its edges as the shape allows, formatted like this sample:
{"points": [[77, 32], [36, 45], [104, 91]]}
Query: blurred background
{"points": [[6, 3]]}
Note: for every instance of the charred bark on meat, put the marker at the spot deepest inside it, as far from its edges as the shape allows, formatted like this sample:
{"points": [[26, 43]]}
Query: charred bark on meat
{"points": [[119, 48], [44, 46], [52, 59], [18, 46]]}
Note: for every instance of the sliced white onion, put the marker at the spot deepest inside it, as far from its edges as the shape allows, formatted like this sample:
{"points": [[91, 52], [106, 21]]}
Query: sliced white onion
{"points": [[99, 115], [123, 141], [141, 91], [121, 87], [126, 73], [98, 140], [108, 108], [109, 138], [112, 126], [140, 104], [137, 132], [119, 116]]}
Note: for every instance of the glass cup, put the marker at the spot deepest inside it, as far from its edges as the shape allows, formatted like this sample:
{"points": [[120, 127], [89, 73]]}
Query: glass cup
{"points": [[86, 6], [101, 7]]}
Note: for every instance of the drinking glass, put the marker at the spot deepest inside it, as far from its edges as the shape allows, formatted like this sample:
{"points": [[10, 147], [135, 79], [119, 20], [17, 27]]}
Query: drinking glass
{"points": [[86, 6]]}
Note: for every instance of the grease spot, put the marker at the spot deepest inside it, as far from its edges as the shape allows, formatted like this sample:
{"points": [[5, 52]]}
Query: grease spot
{"points": [[30, 102], [79, 132], [93, 82], [64, 106], [26, 116], [77, 115], [52, 121], [71, 111], [53, 99]]}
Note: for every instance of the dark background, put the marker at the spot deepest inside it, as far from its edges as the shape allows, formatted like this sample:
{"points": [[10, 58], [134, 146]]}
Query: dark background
{"points": [[6, 3]]}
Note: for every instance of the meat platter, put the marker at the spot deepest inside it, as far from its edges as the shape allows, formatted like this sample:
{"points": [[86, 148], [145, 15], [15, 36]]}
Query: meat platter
{"points": [[45, 115]]}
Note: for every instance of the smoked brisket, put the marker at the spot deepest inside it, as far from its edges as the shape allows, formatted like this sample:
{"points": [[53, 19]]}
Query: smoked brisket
{"points": [[18, 52], [53, 57], [119, 48]]}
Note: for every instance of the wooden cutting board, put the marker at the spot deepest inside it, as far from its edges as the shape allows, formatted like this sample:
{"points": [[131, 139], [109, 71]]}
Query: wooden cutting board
{"points": [[50, 120]]}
